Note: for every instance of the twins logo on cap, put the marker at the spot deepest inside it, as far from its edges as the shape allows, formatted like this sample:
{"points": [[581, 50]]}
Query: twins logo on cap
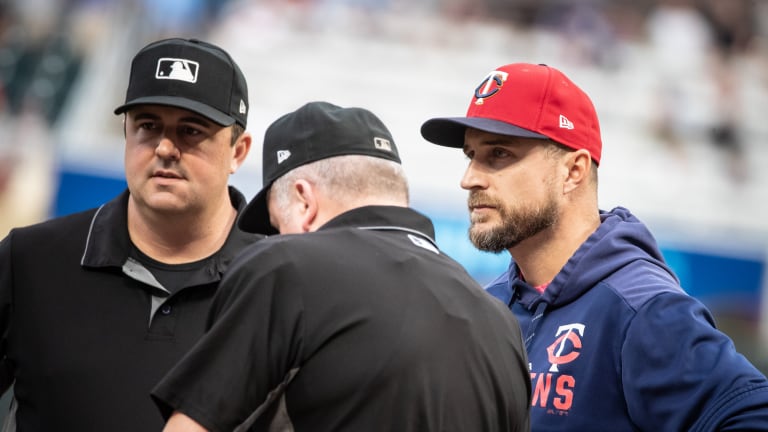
{"points": [[525, 100], [490, 86]]}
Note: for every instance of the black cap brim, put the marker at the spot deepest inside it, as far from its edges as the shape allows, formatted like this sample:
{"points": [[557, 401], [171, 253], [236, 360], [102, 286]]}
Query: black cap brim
{"points": [[449, 131], [204, 110], [255, 216]]}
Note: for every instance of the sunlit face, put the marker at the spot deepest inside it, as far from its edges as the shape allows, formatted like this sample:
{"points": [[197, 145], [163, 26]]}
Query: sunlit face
{"points": [[512, 193], [176, 160]]}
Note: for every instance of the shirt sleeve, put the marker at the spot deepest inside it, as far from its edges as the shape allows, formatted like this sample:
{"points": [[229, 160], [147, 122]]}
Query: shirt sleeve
{"points": [[252, 348], [681, 373]]}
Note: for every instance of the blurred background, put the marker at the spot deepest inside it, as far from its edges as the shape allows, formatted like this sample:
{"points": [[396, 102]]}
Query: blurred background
{"points": [[680, 87]]}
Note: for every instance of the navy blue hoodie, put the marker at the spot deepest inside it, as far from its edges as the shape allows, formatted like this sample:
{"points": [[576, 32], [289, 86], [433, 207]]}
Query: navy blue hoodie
{"points": [[615, 344]]}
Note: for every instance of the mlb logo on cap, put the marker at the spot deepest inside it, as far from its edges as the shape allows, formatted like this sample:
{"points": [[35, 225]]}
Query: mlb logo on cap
{"points": [[382, 143], [178, 69]]}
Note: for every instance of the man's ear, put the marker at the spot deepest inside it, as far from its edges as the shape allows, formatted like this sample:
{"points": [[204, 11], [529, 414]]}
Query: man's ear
{"points": [[579, 167], [240, 151], [307, 198]]}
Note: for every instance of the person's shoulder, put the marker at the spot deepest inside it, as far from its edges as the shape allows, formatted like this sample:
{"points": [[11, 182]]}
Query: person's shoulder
{"points": [[290, 258], [312, 244], [640, 281], [57, 224], [59, 234], [294, 252], [276, 248]]}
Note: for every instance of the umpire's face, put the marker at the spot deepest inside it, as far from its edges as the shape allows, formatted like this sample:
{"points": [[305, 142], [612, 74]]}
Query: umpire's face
{"points": [[177, 161]]}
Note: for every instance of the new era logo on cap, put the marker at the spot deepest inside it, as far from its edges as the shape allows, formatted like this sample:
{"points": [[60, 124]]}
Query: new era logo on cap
{"points": [[282, 155], [177, 69], [565, 123]]}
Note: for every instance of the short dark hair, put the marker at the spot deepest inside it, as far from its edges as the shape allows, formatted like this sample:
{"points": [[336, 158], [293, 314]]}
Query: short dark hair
{"points": [[555, 149], [237, 130]]}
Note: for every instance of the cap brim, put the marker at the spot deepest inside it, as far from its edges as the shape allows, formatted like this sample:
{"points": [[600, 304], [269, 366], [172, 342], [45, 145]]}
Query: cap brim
{"points": [[255, 216], [212, 114], [449, 131]]}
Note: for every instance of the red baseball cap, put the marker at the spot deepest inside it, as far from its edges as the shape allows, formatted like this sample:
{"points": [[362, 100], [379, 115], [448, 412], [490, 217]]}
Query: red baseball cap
{"points": [[525, 100]]}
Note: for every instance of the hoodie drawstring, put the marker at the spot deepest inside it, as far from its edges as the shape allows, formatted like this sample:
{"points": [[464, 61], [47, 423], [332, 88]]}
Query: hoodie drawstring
{"points": [[534, 325]]}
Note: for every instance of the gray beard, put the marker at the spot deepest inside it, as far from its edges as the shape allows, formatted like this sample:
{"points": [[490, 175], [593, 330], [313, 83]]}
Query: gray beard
{"points": [[517, 225]]}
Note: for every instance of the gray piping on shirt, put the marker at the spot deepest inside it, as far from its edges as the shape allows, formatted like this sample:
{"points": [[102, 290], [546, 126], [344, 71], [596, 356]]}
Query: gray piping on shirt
{"points": [[397, 228], [281, 422], [88, 237]]}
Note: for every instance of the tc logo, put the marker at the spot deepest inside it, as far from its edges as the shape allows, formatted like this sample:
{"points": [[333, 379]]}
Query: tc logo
{"points": [[566, 347], [177, 69], [490, 86]]}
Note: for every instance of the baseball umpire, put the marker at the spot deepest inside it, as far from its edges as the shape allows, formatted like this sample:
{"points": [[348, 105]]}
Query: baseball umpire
{"points": [[362, 323], [95, 307]]}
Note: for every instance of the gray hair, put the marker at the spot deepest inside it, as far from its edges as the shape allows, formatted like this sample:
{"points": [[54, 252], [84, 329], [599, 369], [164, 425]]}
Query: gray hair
{"points": [[349, 179]]}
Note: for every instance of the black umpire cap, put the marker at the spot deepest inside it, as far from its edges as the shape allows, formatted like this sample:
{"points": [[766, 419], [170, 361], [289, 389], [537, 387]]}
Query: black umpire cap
{"points": [[317, 130], [190, 74]]}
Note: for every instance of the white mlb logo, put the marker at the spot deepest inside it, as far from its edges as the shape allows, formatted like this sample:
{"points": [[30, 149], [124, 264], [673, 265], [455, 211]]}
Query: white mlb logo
{"points": [[177, 69]]}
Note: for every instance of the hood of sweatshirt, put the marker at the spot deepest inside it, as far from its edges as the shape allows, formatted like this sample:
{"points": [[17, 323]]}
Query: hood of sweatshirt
{"points": [[620, 240]]}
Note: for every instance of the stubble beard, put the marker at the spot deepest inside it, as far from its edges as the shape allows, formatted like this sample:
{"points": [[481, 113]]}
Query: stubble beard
{"points": [[517, 224]]}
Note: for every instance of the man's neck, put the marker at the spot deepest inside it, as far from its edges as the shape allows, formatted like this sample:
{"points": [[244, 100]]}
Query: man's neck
{"points": [[540, 258], [179, 238]]}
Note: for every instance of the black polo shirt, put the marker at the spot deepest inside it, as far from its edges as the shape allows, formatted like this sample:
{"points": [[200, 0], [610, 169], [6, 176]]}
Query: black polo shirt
{"points": [[363, 325], [87, 330]]}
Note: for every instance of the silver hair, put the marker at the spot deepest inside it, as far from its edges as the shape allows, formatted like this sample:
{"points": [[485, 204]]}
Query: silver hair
{"points": [[348, 179]]}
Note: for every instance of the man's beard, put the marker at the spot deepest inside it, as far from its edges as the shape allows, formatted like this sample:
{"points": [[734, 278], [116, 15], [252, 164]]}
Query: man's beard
{"points": [[517, 224]]}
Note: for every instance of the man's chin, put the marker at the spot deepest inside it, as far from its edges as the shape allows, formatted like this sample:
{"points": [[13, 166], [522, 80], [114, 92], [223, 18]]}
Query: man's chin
{"points": [[481, 225], [484, 239], [166, 203]]}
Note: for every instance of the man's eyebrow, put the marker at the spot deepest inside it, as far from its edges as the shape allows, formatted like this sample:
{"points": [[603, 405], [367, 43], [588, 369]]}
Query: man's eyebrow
{"points": [[145, 116], [495, 141], [499, 141], [202, 121], [199, 120]]}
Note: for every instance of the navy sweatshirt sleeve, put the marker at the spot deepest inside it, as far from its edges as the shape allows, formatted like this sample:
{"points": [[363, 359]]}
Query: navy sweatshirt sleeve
{"points": [[681, 373]]}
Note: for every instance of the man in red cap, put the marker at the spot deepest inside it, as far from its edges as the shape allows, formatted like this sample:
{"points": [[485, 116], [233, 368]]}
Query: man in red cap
{"points": [[614, 343]]}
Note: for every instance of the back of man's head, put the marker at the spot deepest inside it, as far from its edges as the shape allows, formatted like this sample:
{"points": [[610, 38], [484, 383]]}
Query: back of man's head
{"points": [[319, 139], [346, 182]]}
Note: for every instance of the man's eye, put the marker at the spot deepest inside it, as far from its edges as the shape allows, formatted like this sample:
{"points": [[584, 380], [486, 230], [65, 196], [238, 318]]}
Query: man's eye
{"points": [[498, 152], [192, 131]]}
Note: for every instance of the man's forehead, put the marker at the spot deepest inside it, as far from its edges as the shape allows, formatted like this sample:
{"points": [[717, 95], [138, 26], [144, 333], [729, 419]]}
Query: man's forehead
{"points": [[157, 111], [478, 137]]}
